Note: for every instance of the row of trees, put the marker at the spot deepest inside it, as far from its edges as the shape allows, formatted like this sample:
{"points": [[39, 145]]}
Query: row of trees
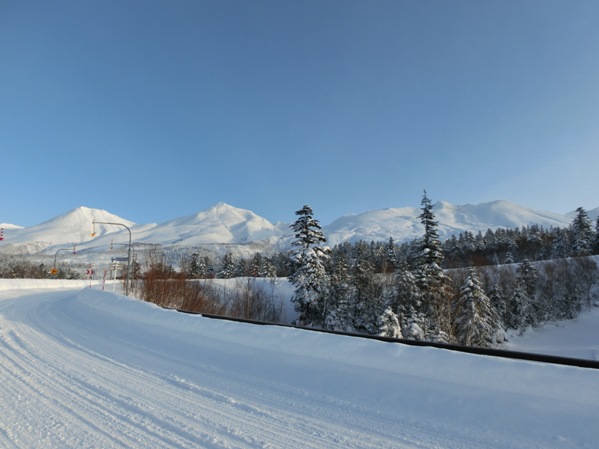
{"points": [[380, 289], [466, 249], [526, 243], [17, 268]]}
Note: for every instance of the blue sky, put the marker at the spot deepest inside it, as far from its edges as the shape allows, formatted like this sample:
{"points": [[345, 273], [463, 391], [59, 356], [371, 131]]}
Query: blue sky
{"points": [[156, 109]]}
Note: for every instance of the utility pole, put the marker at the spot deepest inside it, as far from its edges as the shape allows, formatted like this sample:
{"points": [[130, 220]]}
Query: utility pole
{"points": [[127, 279]]}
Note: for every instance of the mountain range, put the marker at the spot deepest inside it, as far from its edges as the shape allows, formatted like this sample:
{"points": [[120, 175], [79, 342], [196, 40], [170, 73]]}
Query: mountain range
{"points": [[223, 224]]}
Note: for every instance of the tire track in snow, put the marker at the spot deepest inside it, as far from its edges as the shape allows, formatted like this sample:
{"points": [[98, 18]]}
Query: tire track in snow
{"points": [[79, 388], [72, 378]]}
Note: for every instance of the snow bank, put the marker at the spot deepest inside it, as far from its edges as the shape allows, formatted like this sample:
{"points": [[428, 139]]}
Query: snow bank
{"points": [[498, 375], [20, 284]]}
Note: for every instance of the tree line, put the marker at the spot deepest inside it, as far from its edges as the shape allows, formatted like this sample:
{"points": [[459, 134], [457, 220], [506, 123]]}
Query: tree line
{"points": [[455, 292]]}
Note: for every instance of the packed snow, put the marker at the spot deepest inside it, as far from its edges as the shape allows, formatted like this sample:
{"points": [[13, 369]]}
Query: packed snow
{"points": [[86, 368], [577, 338]]}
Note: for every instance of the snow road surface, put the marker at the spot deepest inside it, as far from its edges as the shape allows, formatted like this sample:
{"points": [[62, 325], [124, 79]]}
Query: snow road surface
{"points": [[82, 368]]}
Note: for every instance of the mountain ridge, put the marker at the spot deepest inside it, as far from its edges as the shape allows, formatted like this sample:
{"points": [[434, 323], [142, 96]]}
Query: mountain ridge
{"points": [[229, 225]]}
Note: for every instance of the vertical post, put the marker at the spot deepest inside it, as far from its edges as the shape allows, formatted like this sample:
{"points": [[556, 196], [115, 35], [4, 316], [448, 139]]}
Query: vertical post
{"points": [[128, 251], [54, 269]]}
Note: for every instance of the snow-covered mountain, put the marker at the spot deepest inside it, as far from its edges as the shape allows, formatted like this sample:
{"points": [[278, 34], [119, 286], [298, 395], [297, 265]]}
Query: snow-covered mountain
{"points": [[221, 223], [9, 226], [73, 227], [228, 225], [404, 224]]}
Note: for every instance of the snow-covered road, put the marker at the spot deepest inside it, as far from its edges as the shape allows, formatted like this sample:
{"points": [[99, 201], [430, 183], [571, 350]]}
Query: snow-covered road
{"points": [[81, 368]]}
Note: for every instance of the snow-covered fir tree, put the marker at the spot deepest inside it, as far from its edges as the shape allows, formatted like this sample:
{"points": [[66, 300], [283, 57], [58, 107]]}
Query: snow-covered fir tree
{"points": [[518, 309], [388, 324], [528, 278], [340, 312], [430, 278], [367, 297], [476, 323], [228, 267], [499, 302], [194, 266], [408, 304], [307, 271], [390, 262], [562, 245], [582, 233]]}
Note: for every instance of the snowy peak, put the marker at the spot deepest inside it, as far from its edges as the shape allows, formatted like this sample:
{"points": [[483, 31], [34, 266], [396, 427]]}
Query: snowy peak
{"points": [[378, 225], [10, 226], [495, 214], [404, 223], [221, 223], [73, 227]]}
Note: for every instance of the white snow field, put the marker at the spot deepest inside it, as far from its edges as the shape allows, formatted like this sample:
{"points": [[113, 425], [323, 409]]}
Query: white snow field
{"points": [[84, 368]]}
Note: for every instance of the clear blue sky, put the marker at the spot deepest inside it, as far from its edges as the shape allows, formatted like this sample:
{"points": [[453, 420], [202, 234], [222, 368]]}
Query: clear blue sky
{"points": [[158, 109]]}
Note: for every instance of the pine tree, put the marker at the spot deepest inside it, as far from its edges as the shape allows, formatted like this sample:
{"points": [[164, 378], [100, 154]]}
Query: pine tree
{"points": [[476, 322], [307, 270], [597, 236], [561, 243], [499, 303], [528, 280], [389, 324], [228, 267], [390, 258], [430, 278], [582, 233], [194, 266], [408, 304], [518, 309], [368, 300], [339, 316]]}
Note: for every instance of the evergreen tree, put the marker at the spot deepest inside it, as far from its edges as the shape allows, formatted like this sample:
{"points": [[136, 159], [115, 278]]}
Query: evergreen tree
{"points": [[476, 322], [257, 266], [307, 270], [408, 304], [561, 244], [528, 279], [339, 316], [431, 280], [194, 266], [518, 309], [228, 267], [368, 300], [389, 324], [499, 303], [597, 236], [582, 233], [390, 258]]}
